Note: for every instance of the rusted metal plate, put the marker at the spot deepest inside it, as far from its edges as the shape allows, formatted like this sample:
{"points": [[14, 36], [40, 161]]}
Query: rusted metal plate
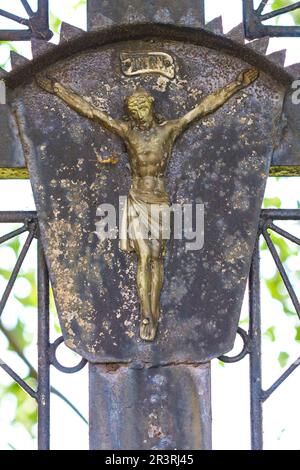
{"points": [[130, 408], [222, 162]]}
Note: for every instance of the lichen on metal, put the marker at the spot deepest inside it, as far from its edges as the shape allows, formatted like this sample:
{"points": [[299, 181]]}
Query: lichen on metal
{"points": [[291, 170], [14, 173]]}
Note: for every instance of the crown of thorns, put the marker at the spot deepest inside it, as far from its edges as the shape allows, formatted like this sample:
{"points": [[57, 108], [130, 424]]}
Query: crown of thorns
{"points": [[139, 97]]}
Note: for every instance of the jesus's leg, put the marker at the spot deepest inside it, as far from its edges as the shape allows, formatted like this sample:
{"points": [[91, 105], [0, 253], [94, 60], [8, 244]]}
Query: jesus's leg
{"points": [[157, 277], [147, 328]]}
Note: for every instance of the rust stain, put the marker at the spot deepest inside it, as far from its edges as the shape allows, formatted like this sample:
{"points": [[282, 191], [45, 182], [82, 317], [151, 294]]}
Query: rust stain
{"points": [[113, 160]]}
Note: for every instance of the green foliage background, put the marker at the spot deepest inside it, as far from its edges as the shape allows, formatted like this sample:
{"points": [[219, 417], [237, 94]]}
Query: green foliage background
{"points": [[19, 338]]}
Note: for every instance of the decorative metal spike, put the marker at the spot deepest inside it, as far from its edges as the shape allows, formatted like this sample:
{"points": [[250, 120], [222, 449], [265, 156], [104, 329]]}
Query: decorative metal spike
{"points": [[278, 57], [215, 25], [69, 32], [17, 60], [40, 47], [101, 22], [133, 15], [259, 45], [293, 70], [237, 33]]}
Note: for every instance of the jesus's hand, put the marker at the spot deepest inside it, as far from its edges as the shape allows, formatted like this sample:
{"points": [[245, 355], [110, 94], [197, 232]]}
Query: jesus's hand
{"points": [[247, 77], [46, 83]]}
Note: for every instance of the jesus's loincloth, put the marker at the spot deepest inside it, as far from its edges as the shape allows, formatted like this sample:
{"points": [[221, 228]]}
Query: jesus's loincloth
{"points": [[146, 216]]}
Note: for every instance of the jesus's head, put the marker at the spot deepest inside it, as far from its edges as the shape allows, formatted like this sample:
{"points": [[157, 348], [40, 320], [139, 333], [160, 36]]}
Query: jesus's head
{"points": [[140, 108]]}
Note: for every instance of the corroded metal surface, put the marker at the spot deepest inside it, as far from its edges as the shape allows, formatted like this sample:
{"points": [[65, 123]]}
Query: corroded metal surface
{"points": [[288, 151], [222, 162], [154, 408], [11, 153], [106, 13]]}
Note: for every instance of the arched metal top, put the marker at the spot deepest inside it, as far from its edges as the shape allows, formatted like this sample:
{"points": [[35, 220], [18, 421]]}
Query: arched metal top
{"points": [[146, 31]]}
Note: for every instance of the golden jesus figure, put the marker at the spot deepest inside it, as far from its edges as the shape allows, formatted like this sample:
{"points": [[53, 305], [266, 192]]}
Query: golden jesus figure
{"points": [[149, 145]]}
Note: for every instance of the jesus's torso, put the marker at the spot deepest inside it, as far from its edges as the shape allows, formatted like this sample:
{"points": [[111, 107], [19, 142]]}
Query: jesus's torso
{"points": [[149, 152]]}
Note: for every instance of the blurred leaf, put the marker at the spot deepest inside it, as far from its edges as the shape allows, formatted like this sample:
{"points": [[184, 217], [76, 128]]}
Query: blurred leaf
{"points": [[285, 250], [297, 337], [20, 336], [15, 245], [272, 202], [278, 291], [283, 3], [274, 285], [55, 23], [57, 328], [9, 45], [5, 273], [270, 333], [31, 299], [280, 4], [244, 322], [283, 358], [51, 301], [26, 408], [264, 246], [79, 4], [288, 311]]}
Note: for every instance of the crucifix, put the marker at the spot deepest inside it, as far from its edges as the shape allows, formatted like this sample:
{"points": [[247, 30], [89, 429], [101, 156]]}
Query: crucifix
{"points": [[149, 144]]}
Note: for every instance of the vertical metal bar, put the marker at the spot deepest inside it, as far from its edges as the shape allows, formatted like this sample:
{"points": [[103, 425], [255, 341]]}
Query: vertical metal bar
{"points": [[43, 9], [261, 7], [16, 269], [202, 11], [43, 392], [248, 8], [175, 411], [27, 8], [255, 352]]}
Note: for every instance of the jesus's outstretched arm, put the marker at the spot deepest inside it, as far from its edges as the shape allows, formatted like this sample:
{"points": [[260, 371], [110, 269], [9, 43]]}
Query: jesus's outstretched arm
{"points": [[81, 106], [212, 102]]}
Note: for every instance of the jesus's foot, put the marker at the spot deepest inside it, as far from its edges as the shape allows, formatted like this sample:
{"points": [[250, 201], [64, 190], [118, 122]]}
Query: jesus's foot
{"points": [[148, 328]]}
